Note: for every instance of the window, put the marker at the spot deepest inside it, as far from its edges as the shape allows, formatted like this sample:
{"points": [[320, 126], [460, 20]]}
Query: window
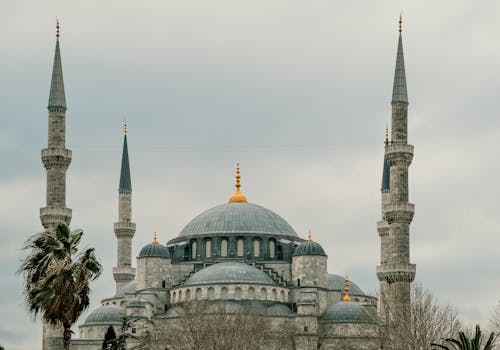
{"points": [[251, 293], [188, 294], [223, 247], [256, 248], [211, 293], [223, 293], [198, 294], [173, 297], [263, 294], [282, 296], [180, 296], [208, 248], [193, 250], [163, 284], [298, 282], [239, 248], [237, 293], [274, 295], [272, 248]]}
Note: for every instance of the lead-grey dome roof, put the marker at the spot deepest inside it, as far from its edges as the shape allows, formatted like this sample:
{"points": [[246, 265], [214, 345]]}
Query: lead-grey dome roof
{"points": [[336, 282], [239, 218], [106, 314], [154, 250], [309, 247], [347, 312], [230, 272], [279, 310]]}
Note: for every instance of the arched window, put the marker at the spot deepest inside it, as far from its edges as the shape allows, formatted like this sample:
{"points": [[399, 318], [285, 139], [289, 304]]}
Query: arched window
{"points": [[208, 248], [188, 294], [174, 297], [223, 247], [274, 295], [263, 294], [180, 296], [251, 293], [198, 294], [239, 247], [211, 293], [282, 296], [237, 293], [256, 248], [272, 248], [194, 249], [223, 293]]}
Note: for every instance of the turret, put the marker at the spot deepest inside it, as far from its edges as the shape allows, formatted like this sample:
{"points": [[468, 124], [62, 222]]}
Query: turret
{"points": [[154, 266], [395, 272], [124, 228]]}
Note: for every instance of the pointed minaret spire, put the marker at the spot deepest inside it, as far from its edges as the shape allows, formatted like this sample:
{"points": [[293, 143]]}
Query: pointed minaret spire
{"points": [[399, 92], [124, 228], [57, 98], [125, 183]]}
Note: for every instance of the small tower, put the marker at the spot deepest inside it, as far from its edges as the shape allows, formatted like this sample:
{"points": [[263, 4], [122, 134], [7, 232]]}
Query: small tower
{"points": [[124, 228], [396, 272]]}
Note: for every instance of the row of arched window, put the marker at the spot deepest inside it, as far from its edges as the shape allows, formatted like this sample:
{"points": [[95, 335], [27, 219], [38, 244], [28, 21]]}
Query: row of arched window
{"points": [[237, 293], [240, 248]]}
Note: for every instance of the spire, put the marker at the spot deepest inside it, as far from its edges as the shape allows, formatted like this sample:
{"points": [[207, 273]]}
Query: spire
{"points": [[386, 176], [399, 92], [125, 183], [238, 196], [346, 296], [57, 97]]}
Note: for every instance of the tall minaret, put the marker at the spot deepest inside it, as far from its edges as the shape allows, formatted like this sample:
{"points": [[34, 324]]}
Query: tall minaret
{"points": [[56, 158], [396, 272], [124, 228]]}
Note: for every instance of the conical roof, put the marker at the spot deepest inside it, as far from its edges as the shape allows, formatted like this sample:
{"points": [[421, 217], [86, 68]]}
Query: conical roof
{"points": [[57, 97], [399, 92], [125, 182]]}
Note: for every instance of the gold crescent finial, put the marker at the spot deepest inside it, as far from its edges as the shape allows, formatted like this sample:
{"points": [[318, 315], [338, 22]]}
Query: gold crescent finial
{"points": [[58, 33], [155, 238], [400, 22], [125, 127], [309, 236], [346, 296], [238, 196]]}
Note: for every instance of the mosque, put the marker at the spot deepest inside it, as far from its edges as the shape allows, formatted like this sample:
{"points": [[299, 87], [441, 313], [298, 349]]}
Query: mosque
{"points": [[239, 257]]}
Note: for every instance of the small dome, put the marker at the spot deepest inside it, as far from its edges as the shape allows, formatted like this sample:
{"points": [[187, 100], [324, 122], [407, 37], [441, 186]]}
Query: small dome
{"points": [[347, 312], [309, 247], [154, 250], [279, 310], [136, 303], [238, 218], [337, 283], [106, 314], [129, 287], [230, 272]]}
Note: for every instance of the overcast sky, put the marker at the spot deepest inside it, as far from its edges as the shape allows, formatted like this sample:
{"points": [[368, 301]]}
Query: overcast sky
{"points": [[297, 91]]}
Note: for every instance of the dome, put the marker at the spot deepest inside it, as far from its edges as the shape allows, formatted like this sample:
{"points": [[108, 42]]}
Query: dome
{"points": [[336, 282], [229, 272], [155, 250], [309, 247], [129, 287], [279, 310], [106, 314], [238, 218], [347, 312], [136, 303], [225, 307]]}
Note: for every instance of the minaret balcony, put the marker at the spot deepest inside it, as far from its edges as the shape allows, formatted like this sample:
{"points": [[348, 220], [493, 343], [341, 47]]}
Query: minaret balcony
{"points": [[124, 228], [54, 215], [399, 154], [396, 272], [399, 212], [52, 157]]}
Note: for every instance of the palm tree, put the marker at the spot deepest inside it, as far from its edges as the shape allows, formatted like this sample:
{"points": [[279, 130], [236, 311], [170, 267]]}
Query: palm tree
{"points": [[57, 277], [464, 343]]}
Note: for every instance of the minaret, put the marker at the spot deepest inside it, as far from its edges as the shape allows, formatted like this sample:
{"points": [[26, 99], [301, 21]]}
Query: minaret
{"points": [[124, 228], [396, 272], [56, 158]]}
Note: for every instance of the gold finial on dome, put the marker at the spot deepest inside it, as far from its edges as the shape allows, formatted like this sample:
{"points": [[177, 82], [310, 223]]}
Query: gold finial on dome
{"points": [[346, 296], [238, 196], [309, 236], [401, 22], [125, 127], [155, 238]]}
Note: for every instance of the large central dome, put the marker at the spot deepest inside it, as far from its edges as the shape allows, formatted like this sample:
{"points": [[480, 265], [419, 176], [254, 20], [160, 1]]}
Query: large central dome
{"points": [[238, 218]]}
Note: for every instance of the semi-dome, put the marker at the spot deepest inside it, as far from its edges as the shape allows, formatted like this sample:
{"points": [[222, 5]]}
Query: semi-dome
{"points": [[136, 303], [106, 314], [154, 250], [230, 272], [336, 282], [279, 310], [309, 247], [238, 218], [347, 312]]}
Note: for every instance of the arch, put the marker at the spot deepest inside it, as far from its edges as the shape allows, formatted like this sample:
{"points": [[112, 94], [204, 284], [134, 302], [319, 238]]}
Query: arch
{"points": [[188, 294], [198, 294], [174, 297], [223, 293], [211, 293], [251, 293], [240, 247], [272, 248], [194, 249], [256, 248], [263, 293], [180, 296], [208, 248], [223, 247], [282, 295], [237, 293], [274, 295]]}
